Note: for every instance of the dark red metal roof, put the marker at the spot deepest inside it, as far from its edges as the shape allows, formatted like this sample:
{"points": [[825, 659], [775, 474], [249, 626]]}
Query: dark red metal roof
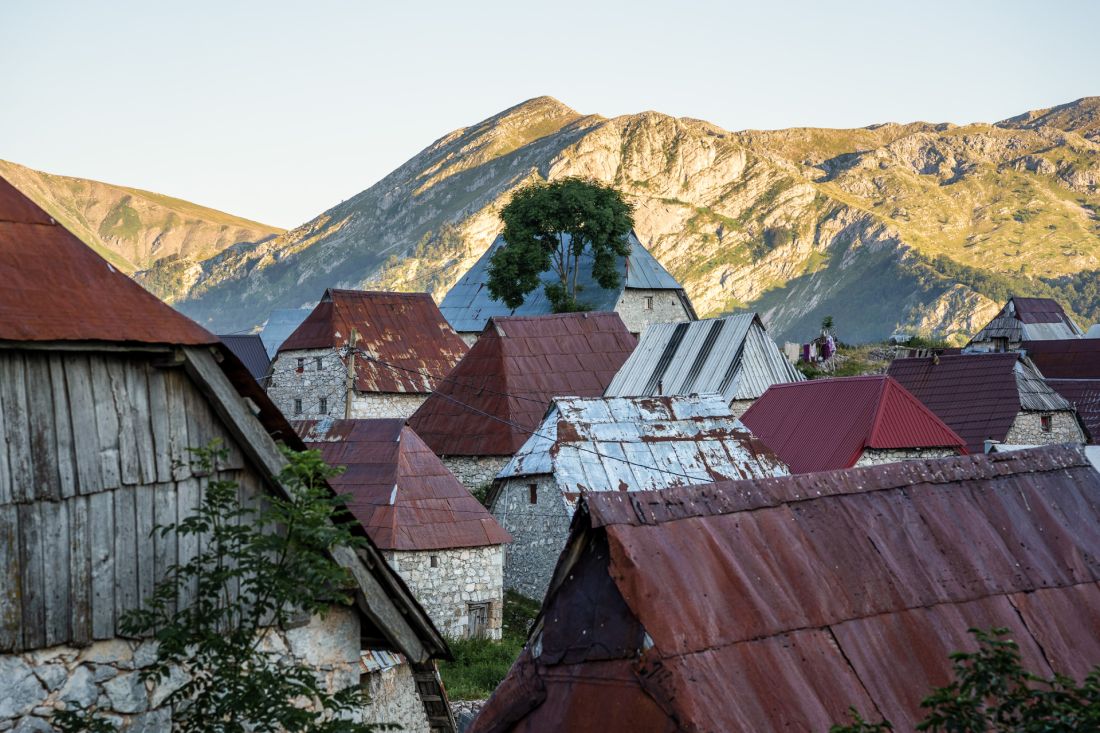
{"points": [[1084, 394], [974, 394], [1065, 358], [825, 424], [775, 604], [399, 490], [1039, 310], [404, 330], [55, 288], [513, 371]]}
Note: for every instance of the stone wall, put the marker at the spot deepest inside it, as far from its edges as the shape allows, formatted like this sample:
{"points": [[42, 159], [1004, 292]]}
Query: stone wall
{"points": [[475, 471], [1027, 429], [106, 676], [666, 308], [539, 532], [459, 578], [309, 385], [370, 405], [879, 456], [740, 407]]}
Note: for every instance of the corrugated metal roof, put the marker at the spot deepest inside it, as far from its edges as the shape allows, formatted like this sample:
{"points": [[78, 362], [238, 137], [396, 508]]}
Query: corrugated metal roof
{"points": [[280, 324], [55, 288], [1066, 358], [1084, 395], [468, 306], [404, 330], [1029, 319], [500, 391], [249, 348], [731, 356], [977, 395], [641, 444], [398, 489], [826, 424], [378, 660], [775, 604]]}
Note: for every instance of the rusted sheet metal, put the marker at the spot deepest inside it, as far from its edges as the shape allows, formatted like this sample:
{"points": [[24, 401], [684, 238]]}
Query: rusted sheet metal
{"points": [[826, 424], [1066, 358], [500, 391], [55, 288], [775, 604], [404, 330], [399, 490], [641, 444]]}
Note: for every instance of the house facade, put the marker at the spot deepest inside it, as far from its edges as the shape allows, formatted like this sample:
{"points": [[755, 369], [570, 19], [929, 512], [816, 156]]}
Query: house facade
{"points": [[442, 542], [364, 355], [103, 389], [612, 444], [647, 294]]}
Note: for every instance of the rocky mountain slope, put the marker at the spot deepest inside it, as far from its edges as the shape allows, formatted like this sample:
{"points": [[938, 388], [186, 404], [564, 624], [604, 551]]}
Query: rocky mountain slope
{"points": [[137, 230]]}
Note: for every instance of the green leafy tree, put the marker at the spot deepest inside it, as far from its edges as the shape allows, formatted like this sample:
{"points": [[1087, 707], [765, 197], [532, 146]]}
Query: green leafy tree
{"points": [[549, 226], [993, 692], [255, 571]]}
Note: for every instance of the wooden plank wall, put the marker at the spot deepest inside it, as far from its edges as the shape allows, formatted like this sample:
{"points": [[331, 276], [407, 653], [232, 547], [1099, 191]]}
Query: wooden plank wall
{"points": [[93, 455]]}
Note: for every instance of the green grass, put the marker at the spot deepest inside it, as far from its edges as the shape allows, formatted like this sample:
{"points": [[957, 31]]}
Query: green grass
{"points": [[480, 664]]}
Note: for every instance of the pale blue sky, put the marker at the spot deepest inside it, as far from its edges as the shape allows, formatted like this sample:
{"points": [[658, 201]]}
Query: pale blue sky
{"points": [[278, 110]]}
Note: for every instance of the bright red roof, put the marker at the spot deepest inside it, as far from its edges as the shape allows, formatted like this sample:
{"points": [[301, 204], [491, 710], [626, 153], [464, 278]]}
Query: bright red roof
{"points": [[399, 490], [404, 330], [826, 424], [511, 374], [55, 288]]}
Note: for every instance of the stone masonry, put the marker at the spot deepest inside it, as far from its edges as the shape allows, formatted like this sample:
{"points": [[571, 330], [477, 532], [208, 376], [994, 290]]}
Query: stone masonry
{"points": [[1027, 429], [879, 456], [458, 579], [370, 405], [665, 307], [106, 676], [739, 407], [539, 531], [473, 472]]}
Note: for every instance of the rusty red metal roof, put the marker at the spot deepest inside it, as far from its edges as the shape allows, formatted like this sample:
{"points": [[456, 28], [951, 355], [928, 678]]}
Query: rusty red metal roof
{"points": [[775, 604], [825, 424], [55, 288], [1065, 358], [500, 391], [406, 331], [399, 490]]}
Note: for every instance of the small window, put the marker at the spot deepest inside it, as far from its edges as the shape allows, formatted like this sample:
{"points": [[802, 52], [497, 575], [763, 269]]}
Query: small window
{"points": [[301, 363], [479, 620], [297, 407], [317, 363], [532, 493], [648, 301], [435, 561], [1046, 422], [322, 406]]}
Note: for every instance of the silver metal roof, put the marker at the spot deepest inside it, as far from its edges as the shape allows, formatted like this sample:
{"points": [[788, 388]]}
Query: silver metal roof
{"points": [[732, 356], [468, 306], [280, 324], [1035, 393], [1029, 319], [641, 444]]}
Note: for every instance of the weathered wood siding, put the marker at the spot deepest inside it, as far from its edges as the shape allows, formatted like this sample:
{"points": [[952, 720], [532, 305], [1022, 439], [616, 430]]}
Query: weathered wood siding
{"points": [[93, 455]]}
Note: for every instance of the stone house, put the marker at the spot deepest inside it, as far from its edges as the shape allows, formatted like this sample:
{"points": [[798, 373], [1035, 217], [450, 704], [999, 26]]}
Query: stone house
{"points": [[102, 390], [647, 294], [778, 604], [732, 356], [443, 543], [990, 396], [386, 351], [827, 424], [1025, 319], [613, 444]]}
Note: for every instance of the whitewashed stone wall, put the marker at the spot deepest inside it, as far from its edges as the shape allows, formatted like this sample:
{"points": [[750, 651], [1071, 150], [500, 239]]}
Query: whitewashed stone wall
{"points": [[1027, 429], [106, 676], [474, 472], [370, 405], [539, 532], [461, 577], [879, 456], [310, 385], [667, 308]]}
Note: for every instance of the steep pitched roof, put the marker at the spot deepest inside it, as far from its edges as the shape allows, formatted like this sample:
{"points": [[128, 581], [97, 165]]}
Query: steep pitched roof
{"points": [[826, 424], [500, 391], [977, 395], [249, 348], [404, 331], [1084, 395], [641, 444], [732, 356], [468, 306], [55, 288], [1065, 358], [399, 490], [280, 324], [1029, 319], [775, 604]]}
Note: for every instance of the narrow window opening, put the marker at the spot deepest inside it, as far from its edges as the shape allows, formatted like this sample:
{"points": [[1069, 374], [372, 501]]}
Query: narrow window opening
{"points": [[435, 561], [1046, 422], [322, 406], [317, 363], [648, 302], [532, 493], [297, 407], [301, 363]]}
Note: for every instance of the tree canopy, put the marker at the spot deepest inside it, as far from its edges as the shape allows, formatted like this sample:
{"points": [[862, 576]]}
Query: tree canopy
{"points": [[550, 226]]}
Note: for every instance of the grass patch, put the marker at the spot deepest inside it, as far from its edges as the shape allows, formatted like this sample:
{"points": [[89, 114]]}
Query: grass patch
{"points": [[480, 664]]}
